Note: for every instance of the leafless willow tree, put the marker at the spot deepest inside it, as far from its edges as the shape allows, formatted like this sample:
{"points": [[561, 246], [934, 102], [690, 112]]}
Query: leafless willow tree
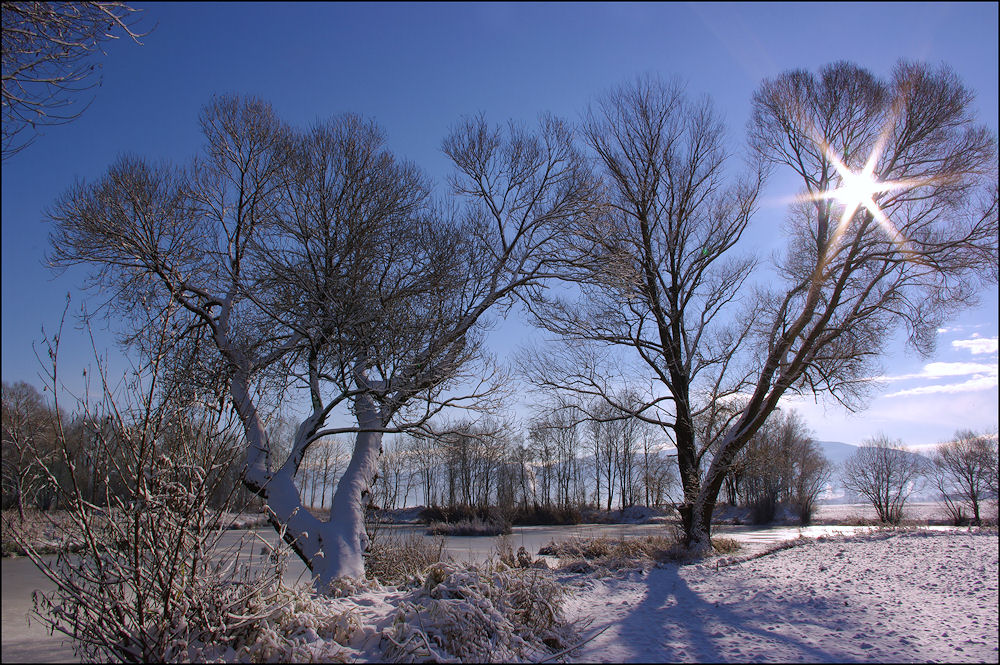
{"points": [[896, 229], [49, 60], [964, 471], [885, 474], [319, 258]]}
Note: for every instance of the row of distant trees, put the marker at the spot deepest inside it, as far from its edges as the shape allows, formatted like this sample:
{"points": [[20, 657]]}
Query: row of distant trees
{"points": [[560, 463], [49, 455]]}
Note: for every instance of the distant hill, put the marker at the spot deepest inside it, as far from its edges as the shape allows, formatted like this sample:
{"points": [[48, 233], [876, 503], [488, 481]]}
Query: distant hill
{"points": [[837, 452]]}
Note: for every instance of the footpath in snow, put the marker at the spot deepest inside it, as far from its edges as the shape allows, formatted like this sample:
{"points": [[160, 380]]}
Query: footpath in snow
{"points": [[898, 597]]}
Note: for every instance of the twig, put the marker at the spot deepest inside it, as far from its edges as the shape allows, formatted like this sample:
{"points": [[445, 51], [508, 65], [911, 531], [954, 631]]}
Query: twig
{"points": [[575, 646]]}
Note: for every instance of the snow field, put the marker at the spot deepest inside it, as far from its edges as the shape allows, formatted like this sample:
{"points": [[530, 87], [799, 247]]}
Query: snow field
{"points": [[886, 597]]}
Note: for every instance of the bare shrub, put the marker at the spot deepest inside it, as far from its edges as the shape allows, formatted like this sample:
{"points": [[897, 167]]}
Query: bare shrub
{"points": [[150, 580]]}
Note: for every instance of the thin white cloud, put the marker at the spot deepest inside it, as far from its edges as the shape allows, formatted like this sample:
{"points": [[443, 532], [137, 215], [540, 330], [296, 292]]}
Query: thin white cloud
{"points": [[959, 328], [972, 385], [977, 345], [941, 370]]}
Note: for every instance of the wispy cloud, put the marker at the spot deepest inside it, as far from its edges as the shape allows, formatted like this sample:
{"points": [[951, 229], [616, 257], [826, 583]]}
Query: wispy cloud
{"points": [[972, 385], [959, 328], [977, 345], [941, 370]]}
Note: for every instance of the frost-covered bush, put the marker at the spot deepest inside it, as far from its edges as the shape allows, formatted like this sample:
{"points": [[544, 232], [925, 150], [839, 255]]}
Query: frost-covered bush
{"points": [[288, 625], [152, 585], [489, 614]]}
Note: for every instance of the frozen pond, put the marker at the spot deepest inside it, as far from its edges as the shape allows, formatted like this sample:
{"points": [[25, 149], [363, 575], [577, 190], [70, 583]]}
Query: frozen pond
{"points": [[479, 548], [24, 643]]}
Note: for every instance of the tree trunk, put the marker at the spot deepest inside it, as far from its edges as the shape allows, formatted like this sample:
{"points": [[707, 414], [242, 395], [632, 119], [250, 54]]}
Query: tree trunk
{"points": [[694, 525], [344, 534], [329, 549]]}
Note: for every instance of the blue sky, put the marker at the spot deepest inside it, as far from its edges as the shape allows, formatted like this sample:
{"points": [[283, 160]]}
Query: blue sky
{"points": [[417, 68]]}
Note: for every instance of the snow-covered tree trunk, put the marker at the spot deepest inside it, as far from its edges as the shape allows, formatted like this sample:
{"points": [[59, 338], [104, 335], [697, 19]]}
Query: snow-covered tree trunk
{"points": [[334, 548], [345, 540]]}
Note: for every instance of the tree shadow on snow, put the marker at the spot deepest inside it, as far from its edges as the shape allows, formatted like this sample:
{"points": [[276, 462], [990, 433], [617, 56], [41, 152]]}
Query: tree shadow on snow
{"points": [[674, 623]]}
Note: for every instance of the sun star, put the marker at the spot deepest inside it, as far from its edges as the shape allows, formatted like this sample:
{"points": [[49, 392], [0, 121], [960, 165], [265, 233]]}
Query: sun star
{"points": [[859, 188]]}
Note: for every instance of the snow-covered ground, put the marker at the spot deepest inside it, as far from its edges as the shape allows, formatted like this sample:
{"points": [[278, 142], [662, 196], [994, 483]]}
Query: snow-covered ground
{"points": [[889, 597], [897, 596]]}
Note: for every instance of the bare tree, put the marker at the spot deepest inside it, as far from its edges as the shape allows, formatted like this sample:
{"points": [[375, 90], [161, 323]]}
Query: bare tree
{"points": [[29, 444], [395, 477], [554, 435], [318, 258], [885, 474], [49, 52], [964, 471], [897, 229], [605, 448], [424, 456], [655, 272], [811, 472], [782, 465]]}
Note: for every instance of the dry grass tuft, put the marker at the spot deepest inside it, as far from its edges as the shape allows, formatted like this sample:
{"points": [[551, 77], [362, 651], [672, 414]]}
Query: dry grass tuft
{"points": [[725, 545], [586, 555], [473, 527], [400, 560]]}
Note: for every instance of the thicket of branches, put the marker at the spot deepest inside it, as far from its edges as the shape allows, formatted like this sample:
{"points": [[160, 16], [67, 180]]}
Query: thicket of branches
{"points": [[50, 59], [780, 465]]}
